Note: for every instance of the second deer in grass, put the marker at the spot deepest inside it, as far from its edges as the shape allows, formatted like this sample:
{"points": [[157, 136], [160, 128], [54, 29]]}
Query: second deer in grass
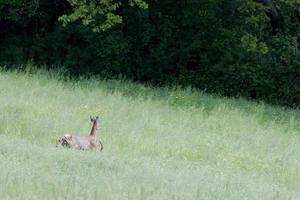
{"points": [[82, 142]]}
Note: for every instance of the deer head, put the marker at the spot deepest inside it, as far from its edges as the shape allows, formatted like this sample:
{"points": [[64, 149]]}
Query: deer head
{"points": [[93, 119]]}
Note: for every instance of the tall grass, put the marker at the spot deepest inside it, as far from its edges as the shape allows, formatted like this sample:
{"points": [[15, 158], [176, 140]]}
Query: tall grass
{"points": [[158, 143]]}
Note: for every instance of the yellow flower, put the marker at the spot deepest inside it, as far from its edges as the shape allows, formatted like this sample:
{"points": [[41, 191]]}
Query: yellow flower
{"points": [[83, 107]]}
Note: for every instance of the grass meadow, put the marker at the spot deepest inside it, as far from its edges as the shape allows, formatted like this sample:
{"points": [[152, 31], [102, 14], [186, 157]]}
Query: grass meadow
{"points": [[158, 143]]}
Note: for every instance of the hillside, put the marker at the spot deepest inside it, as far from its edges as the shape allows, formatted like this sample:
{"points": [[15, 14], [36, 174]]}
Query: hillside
{"points": [[158, 143]]}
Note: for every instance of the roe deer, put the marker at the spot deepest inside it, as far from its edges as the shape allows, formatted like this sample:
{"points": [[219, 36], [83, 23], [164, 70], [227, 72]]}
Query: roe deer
{"points": [[82, 142]]}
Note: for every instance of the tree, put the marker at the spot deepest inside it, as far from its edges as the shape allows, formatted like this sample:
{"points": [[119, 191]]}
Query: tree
{"points": [[100, 14], [272, 13]]}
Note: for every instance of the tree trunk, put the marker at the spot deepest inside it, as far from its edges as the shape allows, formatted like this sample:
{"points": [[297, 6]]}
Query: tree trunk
{"points": [[272, 13]]}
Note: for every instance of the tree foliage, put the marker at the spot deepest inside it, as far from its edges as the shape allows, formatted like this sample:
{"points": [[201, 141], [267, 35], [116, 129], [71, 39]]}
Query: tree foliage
{"points": [[100, 14], [226, 47]]}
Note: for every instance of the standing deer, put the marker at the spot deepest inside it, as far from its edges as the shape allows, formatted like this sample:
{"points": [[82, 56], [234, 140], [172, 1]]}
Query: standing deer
{"points": [[82, 142]]}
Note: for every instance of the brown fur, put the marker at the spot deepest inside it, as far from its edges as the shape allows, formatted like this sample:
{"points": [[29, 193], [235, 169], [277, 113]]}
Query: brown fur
{"points": [[82, 142]]}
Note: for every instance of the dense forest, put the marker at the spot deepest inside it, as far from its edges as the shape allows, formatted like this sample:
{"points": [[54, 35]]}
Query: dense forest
{"points": [[235, 48]]}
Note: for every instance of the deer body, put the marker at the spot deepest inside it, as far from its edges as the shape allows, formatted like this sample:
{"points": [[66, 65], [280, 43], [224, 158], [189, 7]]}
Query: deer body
{"points": [[82, 142]]}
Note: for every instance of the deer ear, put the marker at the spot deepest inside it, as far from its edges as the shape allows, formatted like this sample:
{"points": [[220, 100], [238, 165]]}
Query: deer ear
{"points": [[91, 118]]}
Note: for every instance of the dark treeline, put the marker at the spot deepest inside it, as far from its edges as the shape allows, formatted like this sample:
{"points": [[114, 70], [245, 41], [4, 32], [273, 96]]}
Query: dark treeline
{"points": [[234, 48]]}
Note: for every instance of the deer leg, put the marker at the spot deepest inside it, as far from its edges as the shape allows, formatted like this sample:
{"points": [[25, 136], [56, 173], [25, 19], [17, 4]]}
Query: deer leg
{"points": [[101, 148], [57, 142]]}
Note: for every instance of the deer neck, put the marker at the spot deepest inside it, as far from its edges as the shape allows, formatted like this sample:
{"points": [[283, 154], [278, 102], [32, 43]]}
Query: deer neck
{"points": [[94, 129]]}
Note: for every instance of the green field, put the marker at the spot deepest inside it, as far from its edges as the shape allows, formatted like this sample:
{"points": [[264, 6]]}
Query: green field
{"points": [[158, 143]]}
